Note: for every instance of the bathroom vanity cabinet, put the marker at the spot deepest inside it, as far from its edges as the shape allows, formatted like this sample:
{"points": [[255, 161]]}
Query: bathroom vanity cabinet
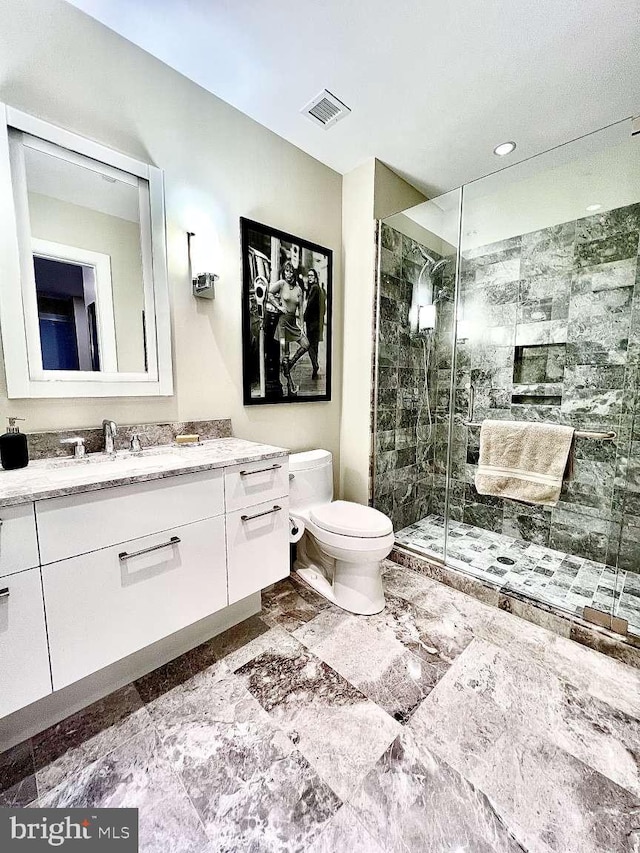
{"points": [[88, 579]]}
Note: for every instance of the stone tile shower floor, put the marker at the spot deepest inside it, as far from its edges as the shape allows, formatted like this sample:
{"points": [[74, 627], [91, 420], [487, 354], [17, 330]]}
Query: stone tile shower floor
{"points": [[554, 577], [440, 724]]}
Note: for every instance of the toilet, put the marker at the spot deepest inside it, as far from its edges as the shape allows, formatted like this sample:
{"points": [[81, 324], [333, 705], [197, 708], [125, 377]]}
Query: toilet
{"points": [[343, 544]]}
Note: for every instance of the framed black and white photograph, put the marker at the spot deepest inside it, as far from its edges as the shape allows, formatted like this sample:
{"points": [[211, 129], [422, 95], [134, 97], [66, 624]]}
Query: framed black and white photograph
{"points": [[286, 317]]}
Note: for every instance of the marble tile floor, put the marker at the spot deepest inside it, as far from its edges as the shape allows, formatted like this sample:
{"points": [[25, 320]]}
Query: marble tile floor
{"points": [[554, 577], [440, 724]]}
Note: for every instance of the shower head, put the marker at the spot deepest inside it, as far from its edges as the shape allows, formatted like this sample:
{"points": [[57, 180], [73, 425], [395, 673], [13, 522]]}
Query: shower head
{"points": [[438, 265]]}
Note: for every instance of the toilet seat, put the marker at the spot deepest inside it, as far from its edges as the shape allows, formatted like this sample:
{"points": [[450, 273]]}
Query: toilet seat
{"points": [[345, 518]]}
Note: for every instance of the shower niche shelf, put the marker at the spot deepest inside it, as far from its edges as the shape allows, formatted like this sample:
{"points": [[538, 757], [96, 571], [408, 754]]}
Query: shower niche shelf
{"points": [[538, 371], [540, 365], [546, 394], [535, 400]]}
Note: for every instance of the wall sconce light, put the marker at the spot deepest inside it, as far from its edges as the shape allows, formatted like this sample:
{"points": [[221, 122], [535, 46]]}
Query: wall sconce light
{"points": [[203, 283], [426, 318]]}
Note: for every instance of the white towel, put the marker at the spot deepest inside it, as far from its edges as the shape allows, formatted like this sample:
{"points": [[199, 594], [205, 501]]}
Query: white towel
{"points": [[524, 460]]}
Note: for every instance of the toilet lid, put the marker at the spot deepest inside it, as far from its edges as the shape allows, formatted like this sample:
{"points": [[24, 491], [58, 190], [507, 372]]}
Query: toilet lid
{"points": [[351, 519]]}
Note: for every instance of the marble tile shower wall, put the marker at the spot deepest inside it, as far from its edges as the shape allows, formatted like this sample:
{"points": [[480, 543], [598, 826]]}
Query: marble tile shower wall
{"points": [[557, 314], [408, 432]]}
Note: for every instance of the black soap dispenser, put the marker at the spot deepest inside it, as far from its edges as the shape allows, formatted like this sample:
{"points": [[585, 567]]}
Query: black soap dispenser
{"points": [[13, 447]]}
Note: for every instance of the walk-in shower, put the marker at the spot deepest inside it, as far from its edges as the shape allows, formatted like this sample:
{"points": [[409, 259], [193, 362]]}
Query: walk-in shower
{"points": [[517, 297]]}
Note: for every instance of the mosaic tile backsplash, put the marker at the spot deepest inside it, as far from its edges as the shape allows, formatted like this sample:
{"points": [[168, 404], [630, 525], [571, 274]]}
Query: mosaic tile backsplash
{"points": [[553, 319]]}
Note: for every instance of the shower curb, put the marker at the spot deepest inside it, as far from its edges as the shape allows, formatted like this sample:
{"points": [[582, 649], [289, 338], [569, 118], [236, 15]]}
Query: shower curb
{"points": [[624, 649]]}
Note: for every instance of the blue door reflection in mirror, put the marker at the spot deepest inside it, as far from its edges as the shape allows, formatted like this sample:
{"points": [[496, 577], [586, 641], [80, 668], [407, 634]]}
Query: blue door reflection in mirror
{"points": [[66, 315]]}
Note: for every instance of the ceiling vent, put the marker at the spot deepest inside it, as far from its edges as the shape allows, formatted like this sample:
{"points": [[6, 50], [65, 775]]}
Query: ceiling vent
{"points": [[325, 109]]}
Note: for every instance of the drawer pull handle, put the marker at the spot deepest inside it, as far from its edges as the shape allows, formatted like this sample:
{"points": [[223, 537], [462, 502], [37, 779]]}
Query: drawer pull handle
{"points": [[260, 514], [4, 593], [260, 470], [125, 555]]}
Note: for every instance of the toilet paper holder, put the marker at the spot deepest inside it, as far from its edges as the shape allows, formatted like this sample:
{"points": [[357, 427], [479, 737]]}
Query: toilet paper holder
{"points": [[296, 529]]}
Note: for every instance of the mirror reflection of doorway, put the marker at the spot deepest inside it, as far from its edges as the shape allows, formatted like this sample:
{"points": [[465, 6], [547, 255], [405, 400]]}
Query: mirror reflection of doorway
{"points": [[66, 296], [58, 334]]}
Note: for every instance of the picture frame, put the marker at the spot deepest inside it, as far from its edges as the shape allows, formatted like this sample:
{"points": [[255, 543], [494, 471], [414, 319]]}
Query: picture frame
{"points": [[287, 296]]}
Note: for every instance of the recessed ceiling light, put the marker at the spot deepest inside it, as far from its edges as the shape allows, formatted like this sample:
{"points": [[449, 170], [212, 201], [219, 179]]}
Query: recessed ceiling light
{"points": [[504, 148], [592, 207]]}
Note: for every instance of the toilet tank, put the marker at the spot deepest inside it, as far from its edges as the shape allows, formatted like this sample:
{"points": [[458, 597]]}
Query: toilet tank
{"points": [[311, 479]]}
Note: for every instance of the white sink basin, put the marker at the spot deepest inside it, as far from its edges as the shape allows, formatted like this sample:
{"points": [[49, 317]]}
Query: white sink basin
{"points": [[138, 459], [100, 467], [121, 457]]}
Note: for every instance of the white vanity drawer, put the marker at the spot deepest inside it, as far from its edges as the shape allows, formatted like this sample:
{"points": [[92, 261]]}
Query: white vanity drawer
{"points": [[18, 540], [81, 523], [24, 657], [257, 547], [256, 482], [102, 606]]}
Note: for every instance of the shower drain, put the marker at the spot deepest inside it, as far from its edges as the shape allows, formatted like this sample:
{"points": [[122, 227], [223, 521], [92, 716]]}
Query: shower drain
{"points": [[507, 561]]}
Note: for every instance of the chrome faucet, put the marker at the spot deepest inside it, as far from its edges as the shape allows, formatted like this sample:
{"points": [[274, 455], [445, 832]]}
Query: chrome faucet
{"points": [[110, 430]]}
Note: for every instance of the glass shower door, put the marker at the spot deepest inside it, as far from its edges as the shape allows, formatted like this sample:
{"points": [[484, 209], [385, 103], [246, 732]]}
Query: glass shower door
{"points": [[537, 318], [626, 602], [546, 331], [413, 371]]}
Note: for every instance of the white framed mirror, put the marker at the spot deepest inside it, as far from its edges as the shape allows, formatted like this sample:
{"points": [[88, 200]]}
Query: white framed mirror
{"points": [[84, 307]]}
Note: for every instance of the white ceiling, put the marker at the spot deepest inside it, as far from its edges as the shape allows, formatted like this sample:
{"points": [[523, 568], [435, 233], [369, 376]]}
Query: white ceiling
{"points": [[557, 186], [433, 85], [58, 178]]}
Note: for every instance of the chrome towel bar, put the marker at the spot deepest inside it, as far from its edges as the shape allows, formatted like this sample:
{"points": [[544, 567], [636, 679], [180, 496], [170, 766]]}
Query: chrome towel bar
{"points": [[579, 433]]}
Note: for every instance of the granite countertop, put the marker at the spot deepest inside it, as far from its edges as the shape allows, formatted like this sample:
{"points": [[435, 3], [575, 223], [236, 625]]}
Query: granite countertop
{"points": [[52, 478]]}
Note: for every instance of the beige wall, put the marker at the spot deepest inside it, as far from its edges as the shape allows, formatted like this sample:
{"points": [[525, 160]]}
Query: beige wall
{"points": [[369, 192], [358, 248], [61, 65], [72, 225], [392, 193]]}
